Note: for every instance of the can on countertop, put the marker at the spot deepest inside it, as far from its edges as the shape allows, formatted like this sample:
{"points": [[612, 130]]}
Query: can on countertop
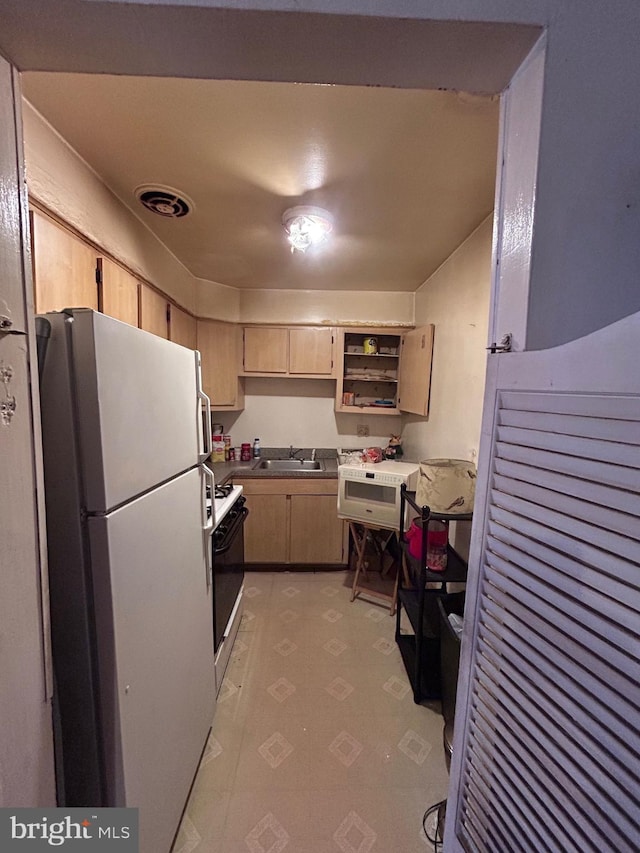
{"points": [[245, 453]]}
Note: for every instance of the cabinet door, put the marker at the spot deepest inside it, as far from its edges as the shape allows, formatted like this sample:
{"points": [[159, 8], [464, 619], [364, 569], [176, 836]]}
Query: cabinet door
{"points": [[118, 292], [317, 534], [153, 312], [311, 351], [266, 350], [266, 529], [415, 370], [182, 328], [219, 348], [64, 268]]}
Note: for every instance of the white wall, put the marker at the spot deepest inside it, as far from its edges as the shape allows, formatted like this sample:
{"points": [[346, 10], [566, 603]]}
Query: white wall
{"points": [[340, 308], [456, 300], [301, 412]]}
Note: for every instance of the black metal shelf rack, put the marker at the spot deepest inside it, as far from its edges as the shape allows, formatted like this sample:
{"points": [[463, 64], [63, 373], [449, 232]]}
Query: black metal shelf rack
{"points": [[421, 650]]}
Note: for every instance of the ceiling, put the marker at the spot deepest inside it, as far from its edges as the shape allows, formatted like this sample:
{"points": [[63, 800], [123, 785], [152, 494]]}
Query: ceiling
{"points": [[407, 174]]}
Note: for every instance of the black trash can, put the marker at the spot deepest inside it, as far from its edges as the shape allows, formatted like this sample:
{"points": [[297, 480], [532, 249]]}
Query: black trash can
{"points": [[449, 664]]}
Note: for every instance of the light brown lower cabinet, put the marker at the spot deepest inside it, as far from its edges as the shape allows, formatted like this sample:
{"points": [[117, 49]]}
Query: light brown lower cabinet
{"points": [[265, 530], [293, 521], [317, 534]]}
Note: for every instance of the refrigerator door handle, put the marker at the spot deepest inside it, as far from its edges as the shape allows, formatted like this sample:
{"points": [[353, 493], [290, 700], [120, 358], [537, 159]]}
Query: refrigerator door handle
{"points": [[206, 440], [208, 523]]}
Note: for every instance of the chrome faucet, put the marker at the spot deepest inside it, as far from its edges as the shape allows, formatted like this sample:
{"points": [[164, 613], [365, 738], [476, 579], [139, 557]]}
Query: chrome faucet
{"points": [[313, 455]]}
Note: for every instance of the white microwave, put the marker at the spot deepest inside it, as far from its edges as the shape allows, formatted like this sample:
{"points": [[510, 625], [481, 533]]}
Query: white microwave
{"points": [[370, 493]]}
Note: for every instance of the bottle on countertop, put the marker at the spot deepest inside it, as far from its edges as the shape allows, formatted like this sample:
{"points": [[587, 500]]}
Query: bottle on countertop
{"points": [[256, 448]]}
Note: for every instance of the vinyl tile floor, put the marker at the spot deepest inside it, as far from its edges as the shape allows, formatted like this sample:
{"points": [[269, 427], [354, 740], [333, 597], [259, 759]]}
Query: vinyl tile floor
{"points": [[317, 744]]}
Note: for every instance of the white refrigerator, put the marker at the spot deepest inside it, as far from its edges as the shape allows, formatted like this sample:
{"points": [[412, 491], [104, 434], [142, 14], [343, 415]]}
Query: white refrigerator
{"points": [[129, 555]]}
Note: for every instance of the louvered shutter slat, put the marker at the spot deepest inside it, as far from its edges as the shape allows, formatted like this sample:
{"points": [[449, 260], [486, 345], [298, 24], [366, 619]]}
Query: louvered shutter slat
{"points": [[551, 757], [610, 691], [555, 521], [596, 634], [592, 492], [628, 432], [598, 516], [579, 729], [596, 568], [585, 448]]}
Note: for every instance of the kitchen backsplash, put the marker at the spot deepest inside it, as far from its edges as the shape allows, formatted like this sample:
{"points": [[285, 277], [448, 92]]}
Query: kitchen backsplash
{"points": [[300, 412]]}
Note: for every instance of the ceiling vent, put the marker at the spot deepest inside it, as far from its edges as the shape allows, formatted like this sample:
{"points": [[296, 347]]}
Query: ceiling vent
{"points": [[164, 201]]}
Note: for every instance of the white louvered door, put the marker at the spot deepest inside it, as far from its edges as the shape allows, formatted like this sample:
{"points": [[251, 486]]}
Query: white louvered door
{"points": [[547, 731]]}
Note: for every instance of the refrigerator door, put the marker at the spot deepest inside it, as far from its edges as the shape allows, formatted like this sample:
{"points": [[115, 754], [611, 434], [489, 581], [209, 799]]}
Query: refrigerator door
{"points": [[154, 639], [136, 407]]}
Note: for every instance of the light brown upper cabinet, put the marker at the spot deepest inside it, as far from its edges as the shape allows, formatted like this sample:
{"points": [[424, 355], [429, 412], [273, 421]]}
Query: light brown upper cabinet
{"points": [[153, 312], [266, 350], [220, 349], [182, 328], [415, 370], [311, 351], [64, 267], [117, 292], [384, 372], [302, 351]]}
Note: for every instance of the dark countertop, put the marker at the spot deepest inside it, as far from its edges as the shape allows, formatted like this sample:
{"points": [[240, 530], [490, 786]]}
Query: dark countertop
{"points": [[327, 457]]}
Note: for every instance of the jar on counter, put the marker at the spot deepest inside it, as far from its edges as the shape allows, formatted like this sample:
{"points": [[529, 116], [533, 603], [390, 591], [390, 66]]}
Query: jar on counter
{"points": [[227, 447]]}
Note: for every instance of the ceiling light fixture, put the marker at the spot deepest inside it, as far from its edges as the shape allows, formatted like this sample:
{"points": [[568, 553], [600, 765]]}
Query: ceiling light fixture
{"points": [[306, 226]]}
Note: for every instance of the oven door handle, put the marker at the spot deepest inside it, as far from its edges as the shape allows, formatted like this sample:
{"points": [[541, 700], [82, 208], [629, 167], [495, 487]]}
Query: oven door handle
{"points": [[223, 546]]}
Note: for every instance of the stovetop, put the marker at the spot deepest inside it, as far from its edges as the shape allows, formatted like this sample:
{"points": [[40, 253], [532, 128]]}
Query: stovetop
{"points": [[224, 499]]}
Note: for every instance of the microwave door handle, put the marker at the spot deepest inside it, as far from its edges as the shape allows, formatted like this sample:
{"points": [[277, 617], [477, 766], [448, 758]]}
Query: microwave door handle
{"points": [[208, 523], [206, 440]]}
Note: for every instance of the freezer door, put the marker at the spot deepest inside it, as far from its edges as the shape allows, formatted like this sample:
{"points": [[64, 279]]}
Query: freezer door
{"points": [[138, 410], [155, 652]]}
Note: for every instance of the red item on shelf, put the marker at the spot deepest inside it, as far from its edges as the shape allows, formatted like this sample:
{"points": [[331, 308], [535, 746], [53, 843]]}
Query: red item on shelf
{"points": [[437, 539]]}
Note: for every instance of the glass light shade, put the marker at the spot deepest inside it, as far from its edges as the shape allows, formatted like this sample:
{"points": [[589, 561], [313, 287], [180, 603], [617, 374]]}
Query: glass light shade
{"points": [[306, 226]]}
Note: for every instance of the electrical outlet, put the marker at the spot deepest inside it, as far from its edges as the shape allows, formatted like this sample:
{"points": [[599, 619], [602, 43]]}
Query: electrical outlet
{"points": [[363, 430]]}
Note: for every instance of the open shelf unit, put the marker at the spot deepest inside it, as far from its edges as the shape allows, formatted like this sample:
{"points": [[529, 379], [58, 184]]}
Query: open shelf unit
{"points": [[421, 650], [370, 377]]}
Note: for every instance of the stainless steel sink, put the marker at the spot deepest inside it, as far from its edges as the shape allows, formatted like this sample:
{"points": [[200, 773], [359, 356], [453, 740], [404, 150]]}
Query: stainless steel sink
{"points": [[290, 465]]}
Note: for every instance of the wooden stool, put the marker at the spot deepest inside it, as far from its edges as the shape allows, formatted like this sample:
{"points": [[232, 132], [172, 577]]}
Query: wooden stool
{"points": [[378, 537]]}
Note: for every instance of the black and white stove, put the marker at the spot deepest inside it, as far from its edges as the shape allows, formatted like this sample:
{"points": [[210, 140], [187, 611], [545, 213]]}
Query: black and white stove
{"points": [[227, 544], [224, 497]]}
